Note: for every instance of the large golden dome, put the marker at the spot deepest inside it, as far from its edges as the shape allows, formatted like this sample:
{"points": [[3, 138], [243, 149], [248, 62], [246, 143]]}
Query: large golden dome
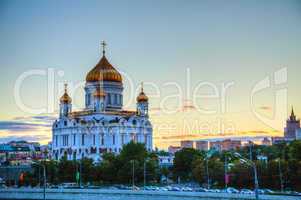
{"points": [[103, 71]]}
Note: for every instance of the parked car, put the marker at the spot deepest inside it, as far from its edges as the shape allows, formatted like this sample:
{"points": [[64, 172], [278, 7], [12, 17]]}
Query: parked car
{"points": [[232, 190], [260, 191], [246, 191], [187, 189], [163, 189], [201, 190], [175, 189], [268, 191]]}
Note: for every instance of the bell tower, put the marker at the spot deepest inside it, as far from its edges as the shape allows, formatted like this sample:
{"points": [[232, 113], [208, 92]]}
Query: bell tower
{"points": [[65, 104], [142, 103]]}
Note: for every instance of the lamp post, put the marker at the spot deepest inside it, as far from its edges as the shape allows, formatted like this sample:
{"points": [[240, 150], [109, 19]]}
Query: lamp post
{"points": [[44, 175], [80, 173], [133, 174], [144, 172], [226, 172], [207, 172], [253, 165], [256, 181], [208, 155], [280, 174], [44, 178]]}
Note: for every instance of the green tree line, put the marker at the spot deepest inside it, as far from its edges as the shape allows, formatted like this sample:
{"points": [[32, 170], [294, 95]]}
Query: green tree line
{"points": [[283, 165]]}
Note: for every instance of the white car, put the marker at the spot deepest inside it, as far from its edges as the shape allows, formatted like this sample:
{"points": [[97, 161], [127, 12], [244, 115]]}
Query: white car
{"points": [[246, 191], [232, 190], [187, 189]]}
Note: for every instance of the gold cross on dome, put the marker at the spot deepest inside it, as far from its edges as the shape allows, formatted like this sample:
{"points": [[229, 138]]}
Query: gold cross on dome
{"points": [[65, 86], [103, 44]]}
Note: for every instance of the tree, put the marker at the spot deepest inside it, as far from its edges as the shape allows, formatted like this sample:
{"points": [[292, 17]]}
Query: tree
{"points": [[107, 170], [241, 176], [66, 170], [119, 168], [183, 163], [133, 151], [295, 150], [88, 173], [216, 171]]}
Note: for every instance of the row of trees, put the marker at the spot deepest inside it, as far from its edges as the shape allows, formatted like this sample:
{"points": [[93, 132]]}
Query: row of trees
{"points": [[112, 169], [282, 169], [283, 166]]}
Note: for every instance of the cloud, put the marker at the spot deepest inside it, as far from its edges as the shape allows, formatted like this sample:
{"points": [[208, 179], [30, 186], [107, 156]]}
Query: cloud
{"points": [[265, 108], [18, 126], [33, 138], [29, 123], [37, 118]]}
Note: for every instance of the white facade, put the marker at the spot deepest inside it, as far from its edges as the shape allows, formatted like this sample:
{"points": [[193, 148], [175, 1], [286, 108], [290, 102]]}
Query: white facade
{"points": [[103, 126]]}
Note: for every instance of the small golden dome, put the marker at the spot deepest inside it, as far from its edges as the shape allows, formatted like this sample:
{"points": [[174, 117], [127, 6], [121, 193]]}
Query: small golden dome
{"points": [[142, 96], [103, 71], [99, 93], [65, 98]]}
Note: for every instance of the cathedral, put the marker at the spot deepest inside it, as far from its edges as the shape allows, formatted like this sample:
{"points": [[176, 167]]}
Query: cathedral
{"points": [[102, 126]]}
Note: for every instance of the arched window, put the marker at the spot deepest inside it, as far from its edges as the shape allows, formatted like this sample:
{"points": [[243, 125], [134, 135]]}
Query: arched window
{"points": [[115, 99], [83, 139], [122, 138], [102, 142], [134, 122], [109, 99]]}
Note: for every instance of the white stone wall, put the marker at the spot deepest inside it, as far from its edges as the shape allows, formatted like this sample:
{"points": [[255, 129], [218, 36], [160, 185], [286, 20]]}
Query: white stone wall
{"points": [[89, 131]]}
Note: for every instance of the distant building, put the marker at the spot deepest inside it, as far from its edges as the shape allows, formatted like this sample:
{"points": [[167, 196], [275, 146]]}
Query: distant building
{"points": [[187, 144], [19, 153], [266, 141], [202, 145], [262, 158], [298, 134], [166, 161], [292, 127], [231, 144], [216, 145], [225, 145], [173, 149], [278, 140]]}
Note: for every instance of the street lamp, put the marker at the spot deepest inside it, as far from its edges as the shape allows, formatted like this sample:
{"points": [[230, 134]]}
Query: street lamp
{"points": [[44, 177], [207, 172], [144, 172], [280, 174], [253, 165], [133, 174], [208, 155]]}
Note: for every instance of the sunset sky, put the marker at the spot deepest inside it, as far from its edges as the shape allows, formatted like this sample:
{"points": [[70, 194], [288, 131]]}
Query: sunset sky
{"points": [[201, 63]]}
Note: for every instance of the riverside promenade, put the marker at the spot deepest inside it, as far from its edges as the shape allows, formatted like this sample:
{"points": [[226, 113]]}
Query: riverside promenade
{"points": [[108, 194]]}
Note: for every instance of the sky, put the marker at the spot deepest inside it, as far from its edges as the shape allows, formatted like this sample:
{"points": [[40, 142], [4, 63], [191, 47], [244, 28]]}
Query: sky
{"points": [[211, 69]]}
